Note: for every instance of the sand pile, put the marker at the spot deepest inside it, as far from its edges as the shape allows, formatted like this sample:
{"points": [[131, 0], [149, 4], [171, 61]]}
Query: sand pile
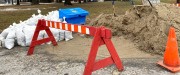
{"points": [[149, 29]]}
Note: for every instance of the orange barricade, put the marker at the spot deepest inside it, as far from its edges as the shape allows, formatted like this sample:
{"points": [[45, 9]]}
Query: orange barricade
{"points": [[102, 36]]}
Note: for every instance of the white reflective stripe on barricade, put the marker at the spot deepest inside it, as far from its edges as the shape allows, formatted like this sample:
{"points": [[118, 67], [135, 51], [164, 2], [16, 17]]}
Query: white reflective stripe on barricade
{"points": [[69, 27]]}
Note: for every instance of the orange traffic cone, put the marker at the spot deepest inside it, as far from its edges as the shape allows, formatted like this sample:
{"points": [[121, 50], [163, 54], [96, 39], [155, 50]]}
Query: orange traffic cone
{"points": [[171, 56], [178, 4]]}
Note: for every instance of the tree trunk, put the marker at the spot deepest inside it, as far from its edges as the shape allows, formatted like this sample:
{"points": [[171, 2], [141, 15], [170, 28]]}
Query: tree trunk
{"points": [[67, 2], [59, 1], [79, 1], [33, 2], [18, 2], [49, 1], [85, 1], [12, 2], [178, 1]]}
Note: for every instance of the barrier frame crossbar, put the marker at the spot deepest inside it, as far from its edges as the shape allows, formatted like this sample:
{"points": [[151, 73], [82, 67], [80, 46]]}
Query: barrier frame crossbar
{"points": [[102, 36]]}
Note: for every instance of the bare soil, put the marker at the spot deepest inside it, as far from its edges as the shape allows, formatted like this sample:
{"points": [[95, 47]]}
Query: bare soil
{"points": [[69, 58], [144, 25], [78, 49]]}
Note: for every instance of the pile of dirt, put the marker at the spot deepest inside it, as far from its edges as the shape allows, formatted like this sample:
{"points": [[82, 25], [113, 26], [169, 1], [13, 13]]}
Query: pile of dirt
{"points": [[146, 26]]}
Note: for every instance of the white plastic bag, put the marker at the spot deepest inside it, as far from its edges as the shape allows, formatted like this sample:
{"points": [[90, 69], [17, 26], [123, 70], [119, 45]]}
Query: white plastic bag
{"points": [[53, 16], [10, 39], [9, 43], [5, 32], [1, 39], [55, 33], [3, 43], [61, 35], [68, 35], [20, 36], [41, 35], [29, 32], [34, 20], [0, 43]]}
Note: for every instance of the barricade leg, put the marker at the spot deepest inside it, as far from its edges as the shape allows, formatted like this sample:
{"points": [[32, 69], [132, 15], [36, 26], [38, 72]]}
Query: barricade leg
{"points": [[100, 38], [93, 52], [41, 26], [114, 54]]}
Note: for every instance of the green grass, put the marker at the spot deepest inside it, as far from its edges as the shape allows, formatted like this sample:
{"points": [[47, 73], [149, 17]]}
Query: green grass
{"points": [[94, 8], [168, 1]]}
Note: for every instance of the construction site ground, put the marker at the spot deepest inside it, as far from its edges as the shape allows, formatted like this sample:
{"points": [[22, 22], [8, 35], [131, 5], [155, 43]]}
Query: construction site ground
{"points": [[69, 58], [137, 39]]}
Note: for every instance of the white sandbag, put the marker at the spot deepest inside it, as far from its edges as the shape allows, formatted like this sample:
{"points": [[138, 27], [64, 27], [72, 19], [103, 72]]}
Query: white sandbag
{"points": [[11, 34], [68, 35], [5, 32], [39, 11], [55, 33], [29, 32], [4, 35], [41, 35], [9, 43], [1, 38], [53, 16], [61, 35], [34, 20], [0, 43], [10, 39], [20, 36]]}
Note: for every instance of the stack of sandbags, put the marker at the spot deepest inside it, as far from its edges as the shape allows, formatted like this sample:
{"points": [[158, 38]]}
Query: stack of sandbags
{"points": [[22, 33]]}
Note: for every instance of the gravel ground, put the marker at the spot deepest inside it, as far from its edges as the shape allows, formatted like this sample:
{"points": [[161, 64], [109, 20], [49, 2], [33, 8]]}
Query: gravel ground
{"points": [[15, 62]]}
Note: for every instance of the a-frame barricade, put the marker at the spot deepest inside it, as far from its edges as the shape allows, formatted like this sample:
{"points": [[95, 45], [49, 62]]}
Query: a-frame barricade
{"points": [[102, 36], [41, 26]]}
